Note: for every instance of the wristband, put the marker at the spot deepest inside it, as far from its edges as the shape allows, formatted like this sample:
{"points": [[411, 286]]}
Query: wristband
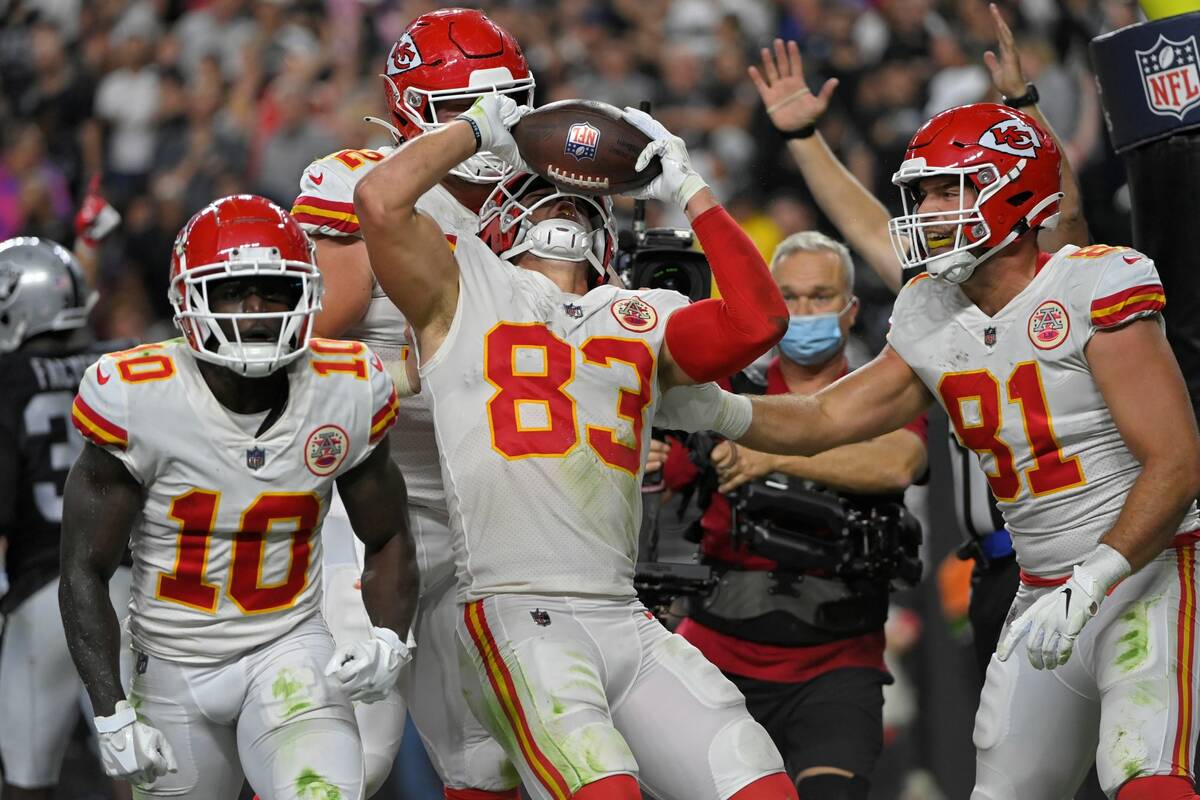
{"points": [[1107, 566], [1020, 101], [734, 417], [123, 716], [474, 129], [800, 133]]}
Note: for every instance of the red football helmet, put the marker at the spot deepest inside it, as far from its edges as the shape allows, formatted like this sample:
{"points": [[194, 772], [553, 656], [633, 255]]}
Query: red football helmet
{"points": [[453, 54], [1011, 163], [506, 224], [243, 236]]}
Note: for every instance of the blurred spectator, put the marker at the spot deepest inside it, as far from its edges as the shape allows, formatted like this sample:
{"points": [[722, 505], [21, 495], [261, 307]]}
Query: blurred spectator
{"points": [[34, 198], [296, 141]]}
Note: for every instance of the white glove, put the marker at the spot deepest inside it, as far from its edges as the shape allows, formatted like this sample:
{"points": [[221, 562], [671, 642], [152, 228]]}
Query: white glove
{"points": [[492, 117], [678, 181], [1055, 619], [368, 670], [132, 750]]}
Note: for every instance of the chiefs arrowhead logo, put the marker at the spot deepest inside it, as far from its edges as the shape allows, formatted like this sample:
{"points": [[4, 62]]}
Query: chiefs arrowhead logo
{"points": [[1012, 136], [404, 56], [316, 178]]}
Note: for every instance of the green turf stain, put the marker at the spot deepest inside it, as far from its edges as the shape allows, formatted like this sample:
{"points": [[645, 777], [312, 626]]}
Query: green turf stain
{"points": [[291, 691], [1128, 752], [1133, 646], [311, 786]]}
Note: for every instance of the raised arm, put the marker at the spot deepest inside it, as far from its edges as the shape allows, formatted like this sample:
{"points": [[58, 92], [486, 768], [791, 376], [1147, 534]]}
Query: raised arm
{"points": [[1009, 80], [855, 212], [869, 402], [750, 315], [407, 250]]}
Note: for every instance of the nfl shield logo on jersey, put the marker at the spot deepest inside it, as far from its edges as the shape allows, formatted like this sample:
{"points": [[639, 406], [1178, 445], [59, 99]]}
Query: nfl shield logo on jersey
{"points": [[582, 139], [573, 311], [989, 337], [1171, 76], [256, 457], [540, 618], [1049, 325]]}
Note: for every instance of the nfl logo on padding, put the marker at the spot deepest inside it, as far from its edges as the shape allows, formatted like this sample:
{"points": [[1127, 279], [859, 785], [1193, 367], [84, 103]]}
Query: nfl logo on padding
{"points": [[256, 457], [1171, 76], [582, 139]]}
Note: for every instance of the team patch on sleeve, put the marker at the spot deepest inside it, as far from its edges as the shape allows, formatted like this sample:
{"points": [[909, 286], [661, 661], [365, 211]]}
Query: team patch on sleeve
{"points": [[95, 428], [384, 418], [318, 213], [1128, 304]]}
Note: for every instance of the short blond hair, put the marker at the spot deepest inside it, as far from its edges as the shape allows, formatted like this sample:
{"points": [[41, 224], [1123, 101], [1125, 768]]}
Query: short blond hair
{"points": [[816, 242]]}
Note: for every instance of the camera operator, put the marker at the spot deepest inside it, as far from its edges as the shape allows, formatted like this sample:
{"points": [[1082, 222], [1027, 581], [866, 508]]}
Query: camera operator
{"points": [[815, 685]]}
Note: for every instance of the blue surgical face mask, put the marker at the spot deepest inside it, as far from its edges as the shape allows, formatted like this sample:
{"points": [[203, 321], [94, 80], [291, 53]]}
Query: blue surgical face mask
{"points": [[813, 339]]}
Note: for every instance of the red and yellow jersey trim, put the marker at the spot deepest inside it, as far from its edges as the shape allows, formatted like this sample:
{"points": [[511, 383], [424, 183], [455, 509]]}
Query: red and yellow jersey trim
{"points": [[96, 428], [309, 210], [1120, 306], [1186, 662], [385, 417]]}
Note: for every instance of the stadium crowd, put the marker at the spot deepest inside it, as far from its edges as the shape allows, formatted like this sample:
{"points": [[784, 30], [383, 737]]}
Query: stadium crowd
{"points": [[175, 103]]}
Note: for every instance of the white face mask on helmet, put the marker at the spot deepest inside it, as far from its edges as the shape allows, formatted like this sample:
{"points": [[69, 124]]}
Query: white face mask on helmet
{"points": [[507, 225]]}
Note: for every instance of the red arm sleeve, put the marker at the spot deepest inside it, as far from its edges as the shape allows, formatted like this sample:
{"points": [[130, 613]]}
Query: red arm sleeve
{"points": [[718, 337]]}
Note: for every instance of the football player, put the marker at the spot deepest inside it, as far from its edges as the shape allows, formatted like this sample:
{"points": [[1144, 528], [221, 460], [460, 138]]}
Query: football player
{"points": [[1054, 368], [541, 392], [45, 345], [219, 451], [430, 76]]}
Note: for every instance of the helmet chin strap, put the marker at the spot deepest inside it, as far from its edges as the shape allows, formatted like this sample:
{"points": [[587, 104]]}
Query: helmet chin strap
{"points": [[960, 266], [252, 359], [392, 129], [558, 239]]}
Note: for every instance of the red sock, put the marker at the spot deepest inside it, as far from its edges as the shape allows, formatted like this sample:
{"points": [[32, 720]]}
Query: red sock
{"points": [[614, 787], [482, 794], [776, 786], [1158, 787]]}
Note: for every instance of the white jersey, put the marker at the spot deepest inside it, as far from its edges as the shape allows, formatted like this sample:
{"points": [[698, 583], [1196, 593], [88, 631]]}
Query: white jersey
{"points": [[542, 404], [227, 551], [325, 207], [1018, 389]]}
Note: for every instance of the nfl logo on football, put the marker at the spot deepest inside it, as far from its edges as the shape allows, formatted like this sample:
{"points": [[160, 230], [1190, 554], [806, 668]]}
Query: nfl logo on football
{"points": [[1171, 76], [582, 139]]}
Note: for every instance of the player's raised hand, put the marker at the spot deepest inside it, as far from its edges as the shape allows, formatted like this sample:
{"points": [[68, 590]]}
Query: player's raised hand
{"points": [[96, 218], [368, 670], [1007, 75], [791, 105], [678, 181], [131, 750], [492, 116]]}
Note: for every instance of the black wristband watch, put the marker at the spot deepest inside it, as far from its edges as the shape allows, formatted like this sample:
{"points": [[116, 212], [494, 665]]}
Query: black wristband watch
{"points": [[799, 133], [1020, 101]]}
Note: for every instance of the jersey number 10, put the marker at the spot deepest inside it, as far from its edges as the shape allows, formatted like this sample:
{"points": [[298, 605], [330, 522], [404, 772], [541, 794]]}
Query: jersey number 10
{"points": [[1050, 473], [196, 513]]}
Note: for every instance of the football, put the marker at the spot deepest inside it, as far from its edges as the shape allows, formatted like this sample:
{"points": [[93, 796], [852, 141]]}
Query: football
{"points": [[584, 146]]}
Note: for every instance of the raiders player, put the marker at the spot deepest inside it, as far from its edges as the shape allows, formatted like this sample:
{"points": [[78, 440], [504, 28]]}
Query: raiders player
{"points": [[45, 346]]}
